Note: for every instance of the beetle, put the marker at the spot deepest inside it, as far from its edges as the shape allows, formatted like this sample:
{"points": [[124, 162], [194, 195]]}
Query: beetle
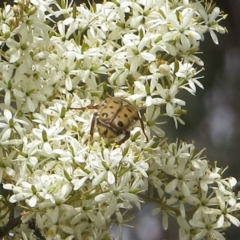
{"points": [[114, 118]]}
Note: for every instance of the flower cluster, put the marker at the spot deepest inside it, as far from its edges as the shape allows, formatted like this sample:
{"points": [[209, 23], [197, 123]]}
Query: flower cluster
{"points": [[194, 192], [58, 63]]}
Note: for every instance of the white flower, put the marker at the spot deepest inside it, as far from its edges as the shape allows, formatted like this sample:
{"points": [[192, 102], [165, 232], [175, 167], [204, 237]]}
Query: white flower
{"points": [[118, 193], [183, 29], [105, 165], [44, 138], [134, 51], [11, 125], [210, 21], [152, 114], [208, 228], [224, 212], [169, 98]]}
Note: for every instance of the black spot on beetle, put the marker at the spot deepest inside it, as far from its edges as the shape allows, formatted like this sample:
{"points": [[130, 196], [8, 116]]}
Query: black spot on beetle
{"points": [[120, 124], [125, 115], [104, 115], [129, 109]]}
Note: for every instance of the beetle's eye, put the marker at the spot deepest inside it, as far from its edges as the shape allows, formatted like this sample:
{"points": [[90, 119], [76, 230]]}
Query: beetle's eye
{"points": [[104, 115], [120, 124]]}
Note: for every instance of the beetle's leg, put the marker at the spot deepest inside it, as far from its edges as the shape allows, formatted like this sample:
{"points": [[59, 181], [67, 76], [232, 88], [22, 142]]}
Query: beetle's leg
{"points": [[142, 126], [126, 137], [93, 123], [86, 108]]}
